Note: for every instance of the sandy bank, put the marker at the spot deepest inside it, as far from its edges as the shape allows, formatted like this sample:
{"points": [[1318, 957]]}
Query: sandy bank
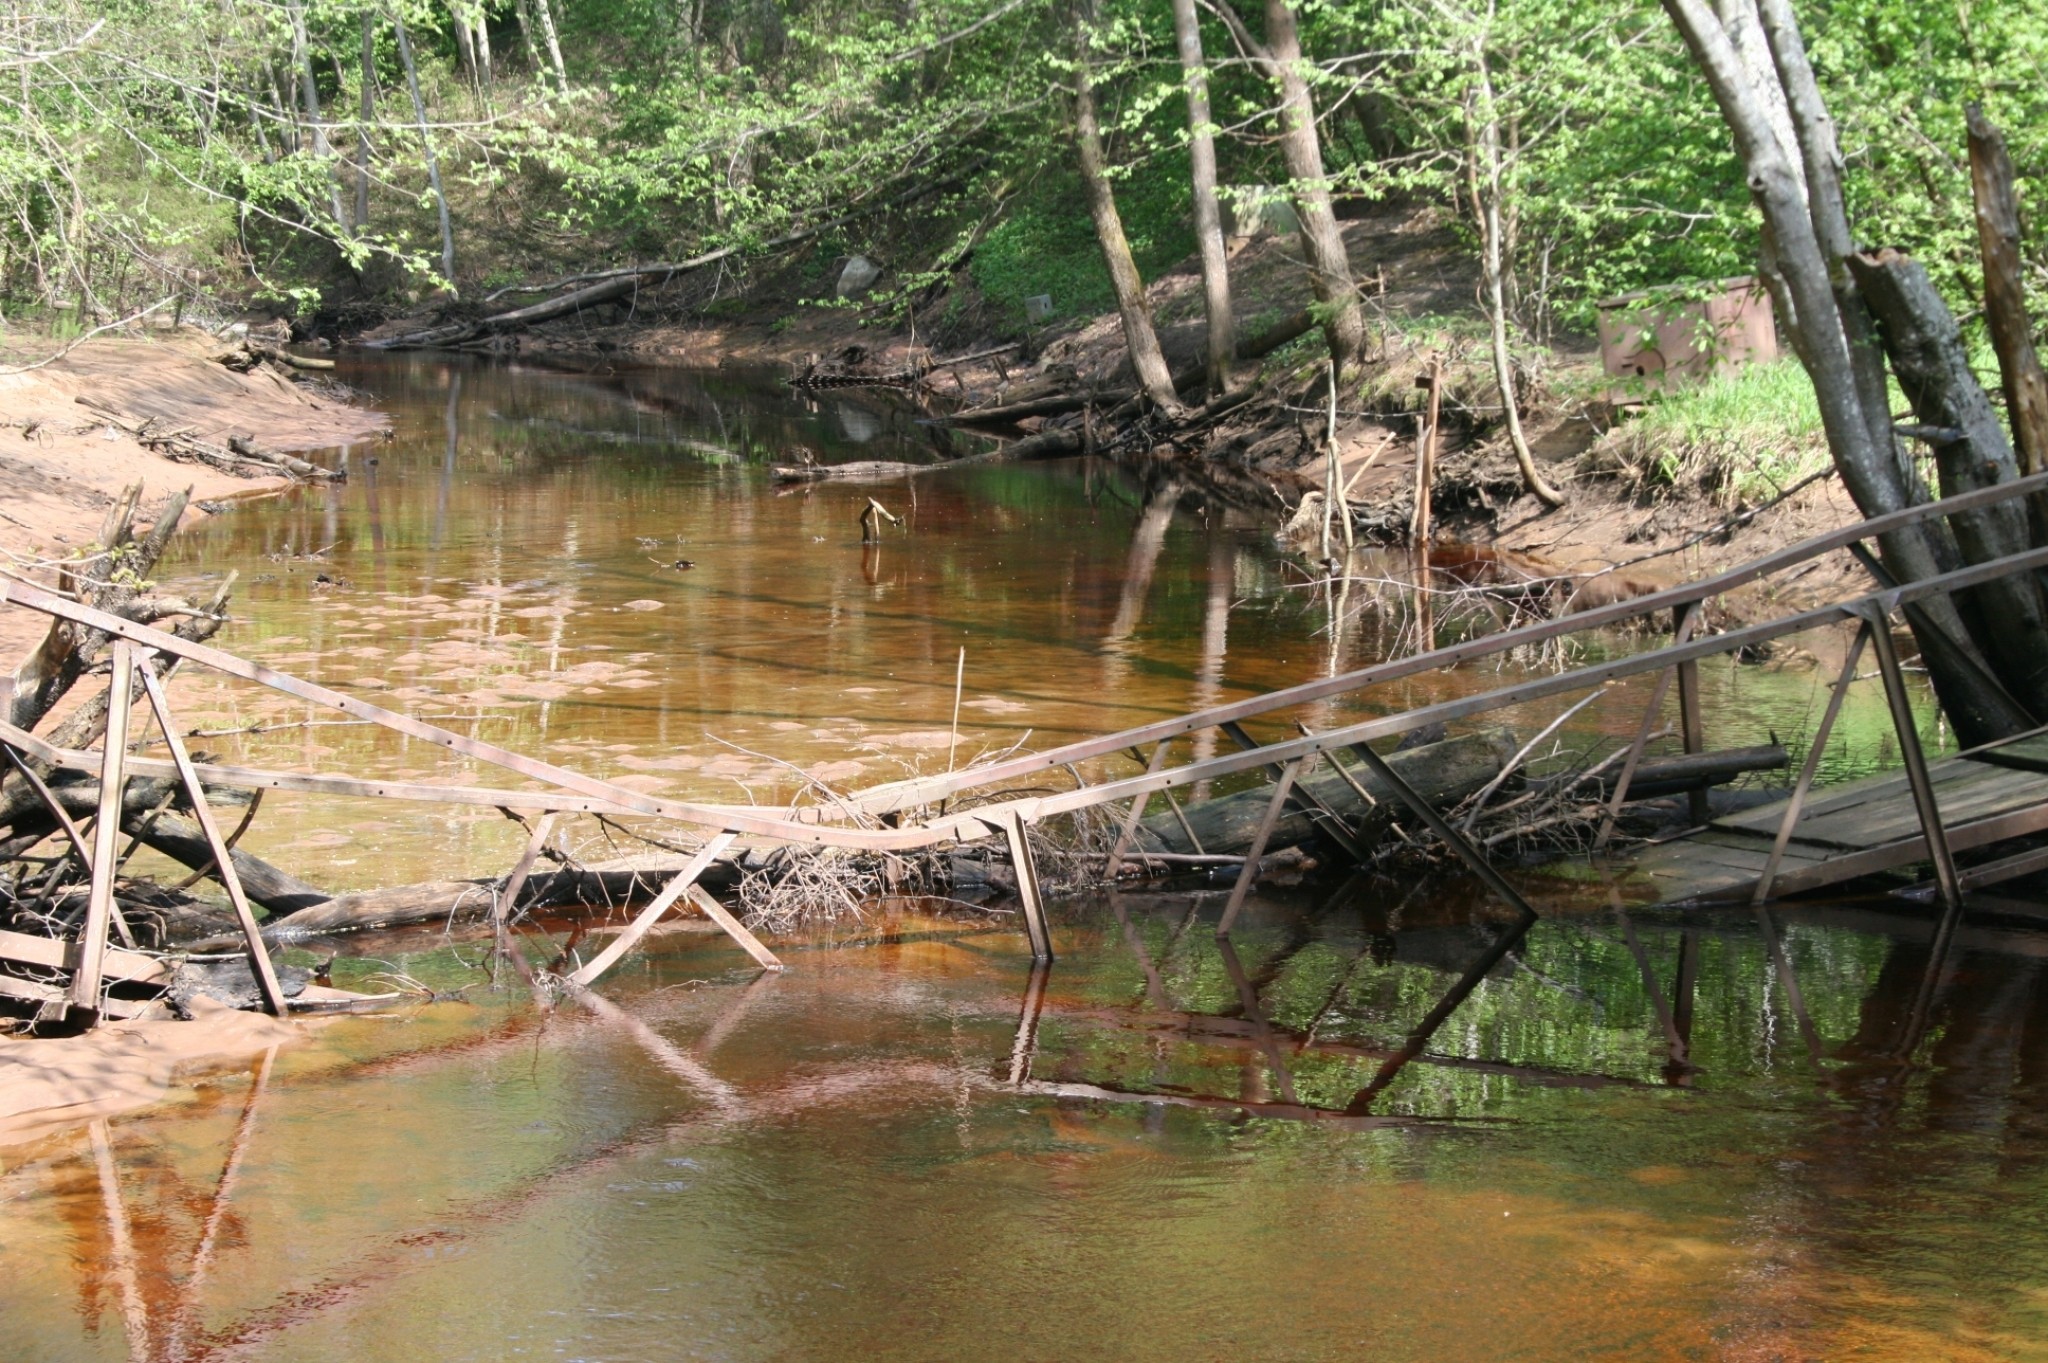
{"points": [[61, 463], [117, 1067]]}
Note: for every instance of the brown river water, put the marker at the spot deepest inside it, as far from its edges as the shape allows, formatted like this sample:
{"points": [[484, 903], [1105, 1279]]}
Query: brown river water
{"points": [[1384, 1123]]}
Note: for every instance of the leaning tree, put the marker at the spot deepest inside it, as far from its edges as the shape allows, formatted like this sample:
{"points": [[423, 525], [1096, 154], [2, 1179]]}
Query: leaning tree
{"points": [[1847, 311]]}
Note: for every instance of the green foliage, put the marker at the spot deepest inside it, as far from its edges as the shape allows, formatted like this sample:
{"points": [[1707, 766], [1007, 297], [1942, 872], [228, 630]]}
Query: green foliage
{"points": [[173, 152], [1047, 246]]}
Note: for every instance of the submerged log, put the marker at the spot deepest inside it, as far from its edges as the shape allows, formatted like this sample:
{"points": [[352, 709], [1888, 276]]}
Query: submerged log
{"points": [[1443, 773], [462, 901], [858, 471], [269, 886], [1698, 771]]}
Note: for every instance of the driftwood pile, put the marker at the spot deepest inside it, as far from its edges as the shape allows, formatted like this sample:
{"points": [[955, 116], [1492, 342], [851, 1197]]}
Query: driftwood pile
{"points": [[239, 457]]}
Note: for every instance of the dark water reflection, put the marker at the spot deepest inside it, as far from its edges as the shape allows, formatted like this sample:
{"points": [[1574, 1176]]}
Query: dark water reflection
{"points": [[1620, 1144]]}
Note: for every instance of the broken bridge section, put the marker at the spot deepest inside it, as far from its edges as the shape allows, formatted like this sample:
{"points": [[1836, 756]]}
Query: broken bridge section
{"points": [[1331, 784]]}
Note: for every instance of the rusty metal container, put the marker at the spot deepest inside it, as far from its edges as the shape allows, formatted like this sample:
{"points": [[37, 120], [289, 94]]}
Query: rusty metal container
{"points": [[1660, 337]]}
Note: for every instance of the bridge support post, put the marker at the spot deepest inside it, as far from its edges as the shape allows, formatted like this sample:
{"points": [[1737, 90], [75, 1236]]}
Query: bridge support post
{"points": [[1692, 726], [1796, 806], [1249, 872], [1452, 838], [1139, 804], [1035, 927], [1916, 771]]}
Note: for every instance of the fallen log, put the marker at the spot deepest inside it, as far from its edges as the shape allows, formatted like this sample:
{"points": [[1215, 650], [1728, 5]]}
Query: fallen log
{"points": [[462, 901], [1443, 773], [1046, 445], [1698, 771], [245, 357], [65, 652], [285, 463], [1004, 414], [269, 886], [610, 284], [859, 471]]}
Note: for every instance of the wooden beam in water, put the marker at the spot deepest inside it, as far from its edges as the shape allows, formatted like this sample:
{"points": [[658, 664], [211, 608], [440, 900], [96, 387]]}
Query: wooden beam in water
{"points": [[223, 861], [1906, 728], [1010, 824], [1249, 872], [1811, 766], [734, 929], [649, 916], [106, 831], [508, 897]]}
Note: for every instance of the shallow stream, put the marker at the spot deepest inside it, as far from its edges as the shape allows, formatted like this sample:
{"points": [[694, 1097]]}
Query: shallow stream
{"points": [[1381, 1124]]}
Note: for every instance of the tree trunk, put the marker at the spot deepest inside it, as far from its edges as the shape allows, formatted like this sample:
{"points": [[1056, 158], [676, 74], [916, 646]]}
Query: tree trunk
{"points": [[1146, 357], [481, 43], [366, 115], [1826, 321], [1933, 367], [543, 10], [1483, 180], [309, 93], [1194, 69], [419, 113], [464, 48], [1820, 168], [1302, 149], [524, 9], [2005, 301]]}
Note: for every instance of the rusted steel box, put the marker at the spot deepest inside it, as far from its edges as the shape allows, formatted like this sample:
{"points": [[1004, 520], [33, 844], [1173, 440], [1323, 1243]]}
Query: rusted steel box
{"points": [[1660, 336]]}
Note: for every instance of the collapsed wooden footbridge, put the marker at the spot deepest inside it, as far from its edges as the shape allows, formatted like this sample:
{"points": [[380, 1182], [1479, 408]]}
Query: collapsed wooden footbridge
{"points": [[1977, 803]]}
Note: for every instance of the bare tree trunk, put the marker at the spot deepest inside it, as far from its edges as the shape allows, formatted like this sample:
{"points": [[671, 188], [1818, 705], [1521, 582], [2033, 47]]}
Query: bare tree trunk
{"points": [[1146, 357], [524, 9], [1828, 325], [1279, 59], [1483, 181], [1322, 241], [1820, 181], [463, 46], [544, 11], [481, 43], [2005, 302], [366, 115], [1194, 69], [309, 90], [419, 113]]}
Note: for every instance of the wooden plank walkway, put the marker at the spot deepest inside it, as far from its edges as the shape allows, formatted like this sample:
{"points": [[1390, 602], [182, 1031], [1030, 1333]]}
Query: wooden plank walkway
{"points": [[1864, 828]]}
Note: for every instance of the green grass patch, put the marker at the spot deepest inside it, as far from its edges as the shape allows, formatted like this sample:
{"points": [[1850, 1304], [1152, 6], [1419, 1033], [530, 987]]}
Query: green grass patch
{"points": [[1743, 436]]}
